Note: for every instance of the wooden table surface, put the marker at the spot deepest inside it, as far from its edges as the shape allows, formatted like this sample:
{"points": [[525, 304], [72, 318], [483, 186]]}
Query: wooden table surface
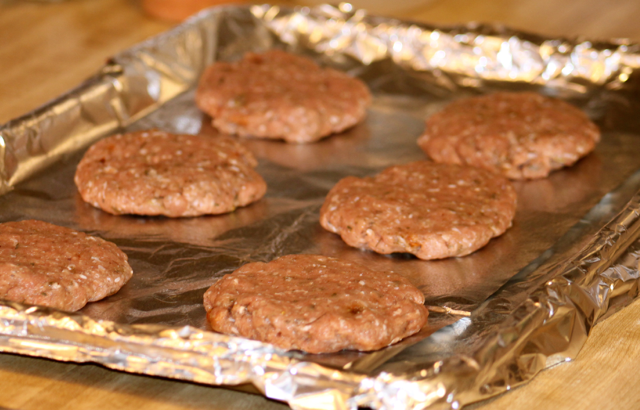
{"points": [[48, 48]]}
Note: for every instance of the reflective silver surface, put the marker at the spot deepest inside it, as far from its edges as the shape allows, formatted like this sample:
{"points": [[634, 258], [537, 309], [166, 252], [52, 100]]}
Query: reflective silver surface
{"points": [[498, 316]]}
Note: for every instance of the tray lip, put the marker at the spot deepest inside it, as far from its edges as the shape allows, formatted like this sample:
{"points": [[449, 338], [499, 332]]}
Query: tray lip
{"points": [[111, 67]]}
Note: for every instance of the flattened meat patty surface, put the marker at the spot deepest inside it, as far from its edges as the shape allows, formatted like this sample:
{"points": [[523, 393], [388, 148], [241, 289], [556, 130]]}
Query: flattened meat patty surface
{"points": [[280, 95], [431, 210], [316, 304], [49, 265], [520, 135], [158, 173]]}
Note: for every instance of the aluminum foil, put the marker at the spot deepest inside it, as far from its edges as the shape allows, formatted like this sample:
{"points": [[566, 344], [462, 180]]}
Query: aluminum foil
{"points": [[524, 302]]}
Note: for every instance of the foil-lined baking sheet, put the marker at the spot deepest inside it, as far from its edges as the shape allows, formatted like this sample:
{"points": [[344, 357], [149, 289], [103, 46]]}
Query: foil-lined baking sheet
{"points": [[498, 316]]}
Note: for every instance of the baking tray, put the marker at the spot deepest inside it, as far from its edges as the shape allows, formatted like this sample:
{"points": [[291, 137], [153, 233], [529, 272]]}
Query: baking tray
{"points": [[524, 302]]}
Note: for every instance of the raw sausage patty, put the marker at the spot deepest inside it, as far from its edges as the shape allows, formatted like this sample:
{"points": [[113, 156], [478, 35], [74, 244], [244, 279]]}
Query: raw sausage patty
{"points": [[520, 135], [158, 173], [430, 210], [316, 304], [281, 95], [48, 265]]}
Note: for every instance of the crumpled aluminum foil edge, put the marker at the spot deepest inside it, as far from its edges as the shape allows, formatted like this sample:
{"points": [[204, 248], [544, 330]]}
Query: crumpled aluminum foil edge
{"points": [[510, 356], [552, 324], [36, 140], [464, 55]]}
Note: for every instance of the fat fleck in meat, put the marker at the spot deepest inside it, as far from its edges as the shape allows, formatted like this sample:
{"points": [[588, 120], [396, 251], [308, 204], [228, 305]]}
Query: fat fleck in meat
{"points": [[431, 210], [316, 304], [158, 173], [520, 135], [280, 95], [49, 265]]}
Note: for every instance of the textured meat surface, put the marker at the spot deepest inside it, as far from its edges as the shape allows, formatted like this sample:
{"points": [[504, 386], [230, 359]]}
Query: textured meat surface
{"points": [[49, 265], [158, 173], [316, 304], [281, 95], [520, 135], [430, 210]]}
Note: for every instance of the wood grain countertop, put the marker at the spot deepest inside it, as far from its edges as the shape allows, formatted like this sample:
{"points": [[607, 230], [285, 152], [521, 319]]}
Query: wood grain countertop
{"points": [[47, 48]]}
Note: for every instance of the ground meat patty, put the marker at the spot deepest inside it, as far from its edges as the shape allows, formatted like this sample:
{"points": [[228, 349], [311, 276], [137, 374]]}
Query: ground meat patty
{"points": [[48, 265], [430, 210], [281, 95], [315, 304], [158, 173], [520, 135]]}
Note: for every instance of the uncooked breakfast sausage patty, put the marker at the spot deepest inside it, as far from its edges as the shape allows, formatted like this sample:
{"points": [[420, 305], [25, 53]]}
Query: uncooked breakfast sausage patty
{"points": [[158, 173], [520, 135], [280, 95], [430, 210], [316, 304], [49, 265]]}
